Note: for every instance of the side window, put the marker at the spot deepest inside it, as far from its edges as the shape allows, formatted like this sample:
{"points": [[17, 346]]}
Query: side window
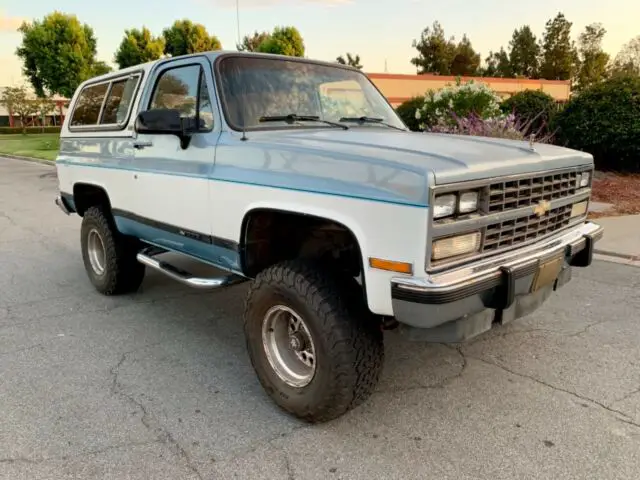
{"points": [[88, 105], [119, 100], [184, 89]]}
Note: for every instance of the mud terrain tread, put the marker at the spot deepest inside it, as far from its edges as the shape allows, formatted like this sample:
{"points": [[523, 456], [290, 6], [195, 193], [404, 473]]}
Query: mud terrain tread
{"points": [[353, 341], [124, 274]]}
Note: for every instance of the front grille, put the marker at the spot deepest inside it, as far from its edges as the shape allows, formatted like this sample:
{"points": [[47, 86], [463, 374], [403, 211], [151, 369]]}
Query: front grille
{"points": [[513, 232], [529, 191]]}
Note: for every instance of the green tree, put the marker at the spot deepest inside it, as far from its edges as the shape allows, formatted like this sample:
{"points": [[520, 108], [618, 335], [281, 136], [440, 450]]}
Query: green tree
{"points": [[559, 54], [58, 53], [523, 53], [627, 62], [250, 43], [19, 103], [100, 68], [284, 41], [593, 60], [435, 51], [138, 46], [185, 37], [352, 61], [498, 65], [465, 61]]}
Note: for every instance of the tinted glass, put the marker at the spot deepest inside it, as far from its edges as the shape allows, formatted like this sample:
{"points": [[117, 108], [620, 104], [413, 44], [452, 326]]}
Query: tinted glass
{"points": [[177, 89], [119, 100], [206, 109], [88, 106], [256, 87]]}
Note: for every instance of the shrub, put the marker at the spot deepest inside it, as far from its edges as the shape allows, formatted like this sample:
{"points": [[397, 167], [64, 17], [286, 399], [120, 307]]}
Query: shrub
{"points": [[29, 130], [604, 120], [407, 112], [460, 100], [503, 126], [532, 106]]}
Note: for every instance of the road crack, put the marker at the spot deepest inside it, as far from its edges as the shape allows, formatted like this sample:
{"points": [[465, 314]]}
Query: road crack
{"points": [[288, 467], [438, 385], [626, 418], [88, 453], [163, 435], [24, 349]]}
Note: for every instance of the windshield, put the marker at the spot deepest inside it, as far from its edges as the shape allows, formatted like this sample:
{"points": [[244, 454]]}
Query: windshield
{"points": [[256, 88]]}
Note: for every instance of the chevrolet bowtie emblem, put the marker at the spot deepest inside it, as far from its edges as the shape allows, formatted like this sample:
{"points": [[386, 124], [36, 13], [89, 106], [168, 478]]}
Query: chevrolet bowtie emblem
{"points": [[541, 208]]}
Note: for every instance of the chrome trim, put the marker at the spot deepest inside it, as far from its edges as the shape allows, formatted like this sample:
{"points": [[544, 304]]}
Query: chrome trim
{"points": [[460, 226], [490, 268], [480, 219], [60, 203], [484, 182], [145, 257]]}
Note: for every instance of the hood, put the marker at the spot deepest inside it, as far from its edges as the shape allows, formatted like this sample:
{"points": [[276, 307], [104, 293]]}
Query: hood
{"points": [[450, 158], [378, 164]]}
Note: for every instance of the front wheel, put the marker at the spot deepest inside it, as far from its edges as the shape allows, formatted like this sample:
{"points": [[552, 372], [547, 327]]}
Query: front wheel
{"points": [[315, 350]]}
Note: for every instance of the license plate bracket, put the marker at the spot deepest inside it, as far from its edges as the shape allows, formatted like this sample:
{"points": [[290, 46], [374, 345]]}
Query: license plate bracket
{"points": [[547, 273]]}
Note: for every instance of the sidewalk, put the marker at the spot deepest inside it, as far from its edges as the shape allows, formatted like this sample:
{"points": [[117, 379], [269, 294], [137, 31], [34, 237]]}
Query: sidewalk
{"points": [[621, 241]]}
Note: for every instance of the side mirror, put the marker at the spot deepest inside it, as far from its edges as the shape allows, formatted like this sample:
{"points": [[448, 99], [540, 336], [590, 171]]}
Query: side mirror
{"points": [[160, 121], [165, 121]]}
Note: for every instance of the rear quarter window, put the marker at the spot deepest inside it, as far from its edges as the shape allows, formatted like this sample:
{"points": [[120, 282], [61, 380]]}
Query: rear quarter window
{"points": [[89, 104], [105, 104]]}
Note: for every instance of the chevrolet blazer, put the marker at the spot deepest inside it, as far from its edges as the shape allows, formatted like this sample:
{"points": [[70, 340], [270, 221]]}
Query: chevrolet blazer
{"points": [[298, 177]]}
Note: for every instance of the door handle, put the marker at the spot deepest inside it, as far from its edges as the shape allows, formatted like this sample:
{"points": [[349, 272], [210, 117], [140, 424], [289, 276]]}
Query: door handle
{"points": [[141, 145]]}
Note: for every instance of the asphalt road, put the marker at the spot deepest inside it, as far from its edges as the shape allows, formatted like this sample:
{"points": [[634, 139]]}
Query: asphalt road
{"points": [[158, 385]]}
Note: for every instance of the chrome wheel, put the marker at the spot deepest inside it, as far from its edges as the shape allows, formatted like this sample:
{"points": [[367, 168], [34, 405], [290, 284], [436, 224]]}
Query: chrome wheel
{"points": [[96, 252], [288, 345]]}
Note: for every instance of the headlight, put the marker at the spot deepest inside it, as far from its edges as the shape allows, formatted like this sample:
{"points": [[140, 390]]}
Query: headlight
{"points": [[468, 202], [451, 203], [584, 179], [455, 246], [444, 206]]}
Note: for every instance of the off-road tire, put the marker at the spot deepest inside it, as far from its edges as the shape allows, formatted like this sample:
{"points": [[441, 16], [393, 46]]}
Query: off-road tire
{"points": [[348, 340], [122, 272]]}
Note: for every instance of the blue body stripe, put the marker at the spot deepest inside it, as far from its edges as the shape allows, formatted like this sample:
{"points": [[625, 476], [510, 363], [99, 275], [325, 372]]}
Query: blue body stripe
{"points": [[214, 255], [242, 177]]}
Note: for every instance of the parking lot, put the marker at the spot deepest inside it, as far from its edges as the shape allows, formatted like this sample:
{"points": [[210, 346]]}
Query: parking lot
{"points": [[158, 385]]}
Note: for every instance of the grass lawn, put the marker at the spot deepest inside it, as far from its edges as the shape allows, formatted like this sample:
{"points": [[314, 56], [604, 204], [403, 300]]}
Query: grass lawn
{"points": [[42, 145]]}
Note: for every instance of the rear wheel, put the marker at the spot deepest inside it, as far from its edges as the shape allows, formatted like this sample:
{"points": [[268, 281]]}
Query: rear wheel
{"points": [[109, 257], [316, 350]]}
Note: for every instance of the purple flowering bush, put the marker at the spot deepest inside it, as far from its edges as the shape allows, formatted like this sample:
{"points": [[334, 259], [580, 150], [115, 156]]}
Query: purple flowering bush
{"points": [[474, 109], [501, 126]]}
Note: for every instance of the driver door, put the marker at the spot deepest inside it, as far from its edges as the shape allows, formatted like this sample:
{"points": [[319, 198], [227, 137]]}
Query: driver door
{"points": [[171, 181]]}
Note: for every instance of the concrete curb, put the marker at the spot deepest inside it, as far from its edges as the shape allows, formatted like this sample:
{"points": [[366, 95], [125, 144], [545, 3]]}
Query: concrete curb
{"points": [[41, 161], [616, 259], [625, 256]]}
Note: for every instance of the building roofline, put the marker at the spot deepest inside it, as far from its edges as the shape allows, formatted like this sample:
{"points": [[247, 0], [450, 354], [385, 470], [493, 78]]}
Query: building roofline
{"points": [[451, 78]]}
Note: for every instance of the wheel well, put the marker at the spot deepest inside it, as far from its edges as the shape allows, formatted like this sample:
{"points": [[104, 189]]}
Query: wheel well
{"points": [[272, 236], [87, 195]]}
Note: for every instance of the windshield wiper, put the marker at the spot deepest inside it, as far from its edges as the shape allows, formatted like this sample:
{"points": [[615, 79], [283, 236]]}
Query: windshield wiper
{"points": [[292, 118], [379, 121]]}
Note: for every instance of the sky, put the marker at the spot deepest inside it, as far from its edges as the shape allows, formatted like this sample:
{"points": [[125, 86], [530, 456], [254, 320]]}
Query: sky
{"points": [[380, 31]]}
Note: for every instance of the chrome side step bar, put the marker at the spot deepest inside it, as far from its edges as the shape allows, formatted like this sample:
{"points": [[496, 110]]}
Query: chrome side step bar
{"points": [[146, 258]]}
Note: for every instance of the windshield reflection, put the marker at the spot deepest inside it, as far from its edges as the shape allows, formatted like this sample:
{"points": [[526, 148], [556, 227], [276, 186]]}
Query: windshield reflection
{"points": [[253, 88]]}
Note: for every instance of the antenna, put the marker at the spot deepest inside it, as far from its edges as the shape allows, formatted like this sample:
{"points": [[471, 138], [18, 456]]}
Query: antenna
{"points": [[238, 18], [385, 66]]}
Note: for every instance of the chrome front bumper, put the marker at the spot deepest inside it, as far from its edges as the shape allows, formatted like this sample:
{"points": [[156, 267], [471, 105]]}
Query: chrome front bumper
{"points": [[64, 205], [501, 288]]}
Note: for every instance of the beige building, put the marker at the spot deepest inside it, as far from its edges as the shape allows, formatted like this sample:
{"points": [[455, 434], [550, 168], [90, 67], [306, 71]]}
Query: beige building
{"points": [[400, 88]]}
